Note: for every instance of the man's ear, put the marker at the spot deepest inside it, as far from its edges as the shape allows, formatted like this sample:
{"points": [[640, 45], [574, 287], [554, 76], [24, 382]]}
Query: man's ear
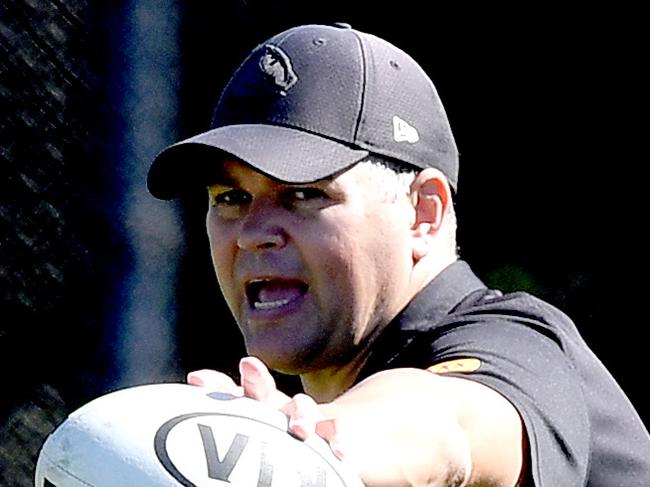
{"points": [[430, 196]]}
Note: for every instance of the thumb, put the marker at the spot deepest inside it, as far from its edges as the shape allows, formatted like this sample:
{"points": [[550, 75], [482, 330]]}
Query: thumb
{"points": [[215, 381]]}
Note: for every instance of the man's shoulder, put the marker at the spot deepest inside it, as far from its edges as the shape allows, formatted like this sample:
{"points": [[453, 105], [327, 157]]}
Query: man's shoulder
{"points": [[494, 305], [458, 307], [458, 294]]}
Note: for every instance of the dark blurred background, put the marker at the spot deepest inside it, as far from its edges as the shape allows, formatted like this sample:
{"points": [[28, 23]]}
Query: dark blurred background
{"points": [[105, 287]]}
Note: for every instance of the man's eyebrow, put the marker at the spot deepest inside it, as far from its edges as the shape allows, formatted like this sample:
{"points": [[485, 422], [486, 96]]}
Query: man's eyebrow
{"points": [[221, 179], [322, 183], [329, 184]]}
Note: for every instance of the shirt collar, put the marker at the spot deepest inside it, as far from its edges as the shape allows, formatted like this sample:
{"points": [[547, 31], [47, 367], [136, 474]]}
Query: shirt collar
{"points": [[429, 307], [439, 297]]}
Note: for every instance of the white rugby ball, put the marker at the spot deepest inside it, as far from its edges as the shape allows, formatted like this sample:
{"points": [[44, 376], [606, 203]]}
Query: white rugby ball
{"points": [[180, 435]]}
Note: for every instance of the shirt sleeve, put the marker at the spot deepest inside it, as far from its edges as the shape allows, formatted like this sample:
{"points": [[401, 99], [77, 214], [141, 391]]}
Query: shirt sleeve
{"points": [[524, 360]]}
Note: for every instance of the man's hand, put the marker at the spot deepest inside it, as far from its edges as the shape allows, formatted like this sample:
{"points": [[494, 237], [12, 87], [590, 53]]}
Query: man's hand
{"points": [[257, 383]]}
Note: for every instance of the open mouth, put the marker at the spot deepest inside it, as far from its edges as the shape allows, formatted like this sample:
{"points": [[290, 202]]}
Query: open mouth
{"points": [[270, 293]]}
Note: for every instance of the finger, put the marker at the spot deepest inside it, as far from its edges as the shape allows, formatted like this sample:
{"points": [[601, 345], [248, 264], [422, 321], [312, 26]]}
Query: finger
{"points": [[258, 383], [215, 381], [303, 415], [328, 429]]}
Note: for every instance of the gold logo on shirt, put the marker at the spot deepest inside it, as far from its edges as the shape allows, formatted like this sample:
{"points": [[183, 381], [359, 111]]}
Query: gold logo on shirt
{"points": [[463, 365]]}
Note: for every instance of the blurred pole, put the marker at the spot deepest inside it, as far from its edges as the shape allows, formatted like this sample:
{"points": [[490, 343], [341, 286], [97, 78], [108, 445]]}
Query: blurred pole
{"points": [[144, 348]]}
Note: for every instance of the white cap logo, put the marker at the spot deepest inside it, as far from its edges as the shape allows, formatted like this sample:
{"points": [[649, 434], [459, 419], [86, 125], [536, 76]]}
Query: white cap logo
{"points": [[403, 131], [276, 65]]}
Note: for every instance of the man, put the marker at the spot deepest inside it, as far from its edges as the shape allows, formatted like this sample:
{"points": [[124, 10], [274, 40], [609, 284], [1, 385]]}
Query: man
{"points": [[331, 170]]}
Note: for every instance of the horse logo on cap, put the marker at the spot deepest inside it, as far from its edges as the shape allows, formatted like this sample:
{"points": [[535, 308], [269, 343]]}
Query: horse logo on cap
{"points": [[276, 65]]}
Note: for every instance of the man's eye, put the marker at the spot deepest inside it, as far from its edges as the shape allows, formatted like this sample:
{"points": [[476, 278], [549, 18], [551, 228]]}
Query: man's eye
{"points": [[230, 198], [306, 194]]}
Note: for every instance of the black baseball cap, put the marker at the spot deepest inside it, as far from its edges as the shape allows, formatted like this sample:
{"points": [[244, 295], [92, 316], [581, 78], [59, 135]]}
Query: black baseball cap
{"points": [[311, 102]]}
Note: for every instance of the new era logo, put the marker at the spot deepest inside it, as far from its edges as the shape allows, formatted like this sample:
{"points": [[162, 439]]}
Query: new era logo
{"points": [[403, 131]]}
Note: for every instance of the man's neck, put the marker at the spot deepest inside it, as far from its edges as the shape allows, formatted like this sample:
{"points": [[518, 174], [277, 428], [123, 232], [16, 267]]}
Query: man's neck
{"points": [[325, 385]]}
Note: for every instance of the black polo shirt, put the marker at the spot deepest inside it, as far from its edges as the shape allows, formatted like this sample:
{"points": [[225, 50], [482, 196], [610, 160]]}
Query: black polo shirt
{"points": [[581, 428]]}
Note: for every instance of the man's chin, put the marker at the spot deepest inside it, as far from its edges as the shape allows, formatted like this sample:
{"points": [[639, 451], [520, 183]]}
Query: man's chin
{"points": [[288, 362], [286, 367]]}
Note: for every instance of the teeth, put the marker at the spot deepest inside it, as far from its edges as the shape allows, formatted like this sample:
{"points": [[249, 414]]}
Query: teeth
{"points": [[273, 294], [270, 304]]}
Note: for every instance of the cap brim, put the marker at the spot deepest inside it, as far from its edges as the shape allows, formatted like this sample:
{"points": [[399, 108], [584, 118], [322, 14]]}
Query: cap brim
{"points": [[283, 153]]}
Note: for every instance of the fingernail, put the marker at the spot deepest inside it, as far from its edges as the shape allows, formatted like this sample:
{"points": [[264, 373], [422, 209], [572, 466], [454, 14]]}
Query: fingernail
{"points": [[298, 429], [194, 380], [336, 449], [247, 367]]}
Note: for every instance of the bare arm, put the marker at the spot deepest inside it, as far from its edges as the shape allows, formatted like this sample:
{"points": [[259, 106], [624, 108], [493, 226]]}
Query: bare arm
{"points": [[412, 427], [404, 427]]}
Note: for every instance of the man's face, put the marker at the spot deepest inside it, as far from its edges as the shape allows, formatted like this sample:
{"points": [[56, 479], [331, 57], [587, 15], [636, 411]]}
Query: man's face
{"points": [[310, 271]]}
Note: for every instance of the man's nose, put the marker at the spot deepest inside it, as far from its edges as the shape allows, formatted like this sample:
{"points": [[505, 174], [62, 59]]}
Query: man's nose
{"points": [[261, 229]]}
